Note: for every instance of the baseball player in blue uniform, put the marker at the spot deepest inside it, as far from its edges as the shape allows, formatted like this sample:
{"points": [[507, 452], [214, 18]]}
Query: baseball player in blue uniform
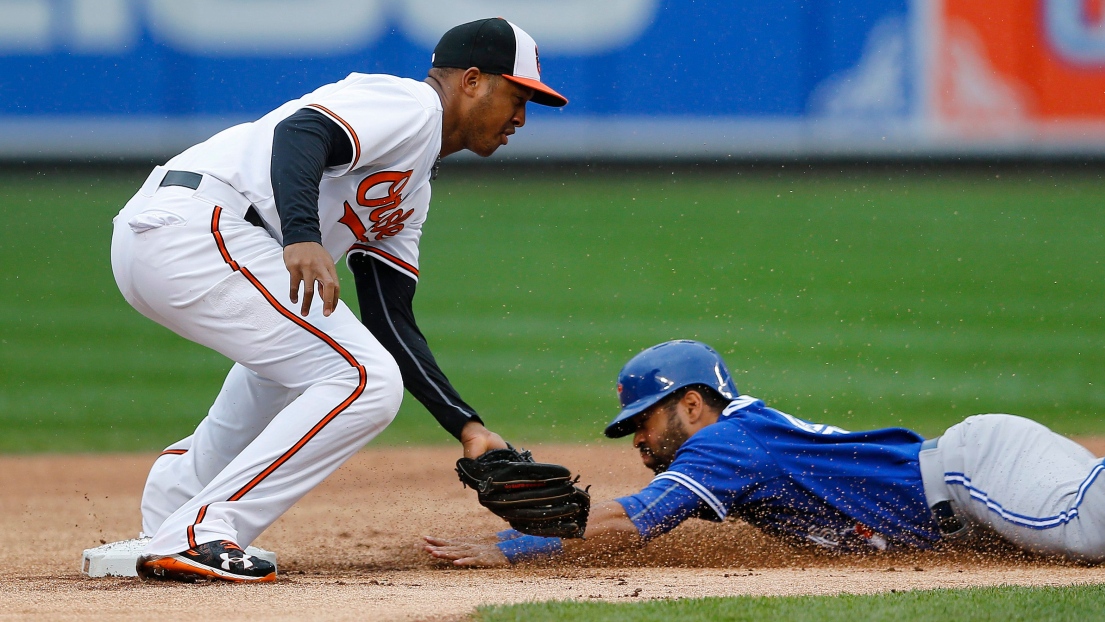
{"points": [[719, 454]]}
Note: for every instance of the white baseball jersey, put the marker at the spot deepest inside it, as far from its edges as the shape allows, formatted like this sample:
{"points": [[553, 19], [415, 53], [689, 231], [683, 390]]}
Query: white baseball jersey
{"points": [[306, 392], [377, 203]]}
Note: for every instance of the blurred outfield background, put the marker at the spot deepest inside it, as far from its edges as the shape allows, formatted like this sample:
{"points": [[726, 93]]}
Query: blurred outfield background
{"points": [[108, 79], [862, 297], [896, 293]]}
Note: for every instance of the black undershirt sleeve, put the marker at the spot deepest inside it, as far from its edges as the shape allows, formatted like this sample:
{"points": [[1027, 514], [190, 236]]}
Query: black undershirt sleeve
{"points": [[386, 297], [303, 145]]}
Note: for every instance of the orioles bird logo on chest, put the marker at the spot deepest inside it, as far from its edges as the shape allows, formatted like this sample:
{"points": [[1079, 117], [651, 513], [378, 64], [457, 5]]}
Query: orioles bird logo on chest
{"points": [[387, 217]]}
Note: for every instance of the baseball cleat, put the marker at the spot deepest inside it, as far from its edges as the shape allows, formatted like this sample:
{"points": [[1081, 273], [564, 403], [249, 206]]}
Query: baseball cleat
{"points": [[221, 560]]}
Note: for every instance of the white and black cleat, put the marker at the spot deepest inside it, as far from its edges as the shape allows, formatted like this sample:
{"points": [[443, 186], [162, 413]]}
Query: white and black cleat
{"points": [[221, 560]]}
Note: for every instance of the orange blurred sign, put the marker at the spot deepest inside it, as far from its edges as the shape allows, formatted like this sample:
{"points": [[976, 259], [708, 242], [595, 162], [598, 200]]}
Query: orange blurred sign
{"points": [[1018, 62]]}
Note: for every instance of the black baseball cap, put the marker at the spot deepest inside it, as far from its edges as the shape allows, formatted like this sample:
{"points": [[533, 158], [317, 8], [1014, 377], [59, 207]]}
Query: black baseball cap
{"points": [[497, 46]]}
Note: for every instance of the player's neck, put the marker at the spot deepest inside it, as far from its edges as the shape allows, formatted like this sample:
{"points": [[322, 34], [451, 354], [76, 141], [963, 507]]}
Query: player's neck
{"points": [[450, 136], [709, 416]]}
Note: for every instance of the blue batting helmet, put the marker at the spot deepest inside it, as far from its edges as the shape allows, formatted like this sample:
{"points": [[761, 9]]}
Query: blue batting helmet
{"points": [[661, 370]]}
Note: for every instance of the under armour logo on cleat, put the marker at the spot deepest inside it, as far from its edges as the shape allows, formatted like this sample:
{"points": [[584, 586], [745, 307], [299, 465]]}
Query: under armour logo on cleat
{"points": [[243, 559]]}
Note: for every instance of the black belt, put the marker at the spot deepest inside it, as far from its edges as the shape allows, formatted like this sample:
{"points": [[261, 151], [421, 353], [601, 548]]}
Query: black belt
{"points": [[950, 524], [188, 179]]}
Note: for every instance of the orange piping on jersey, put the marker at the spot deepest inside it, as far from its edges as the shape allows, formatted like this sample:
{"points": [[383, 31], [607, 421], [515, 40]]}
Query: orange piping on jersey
{"points": [[387, 256], [327, 339], [348, 128], [219, 240], [173, 452], [192, 527], [306, 437]]}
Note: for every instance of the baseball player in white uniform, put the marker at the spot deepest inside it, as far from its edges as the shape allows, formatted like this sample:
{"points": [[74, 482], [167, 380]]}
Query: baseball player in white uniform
{"points": [[227, 245]]}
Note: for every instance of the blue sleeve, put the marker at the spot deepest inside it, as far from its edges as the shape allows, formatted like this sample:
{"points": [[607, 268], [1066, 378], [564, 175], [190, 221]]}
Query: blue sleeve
{"points": [[660, 507], [518, 547]]}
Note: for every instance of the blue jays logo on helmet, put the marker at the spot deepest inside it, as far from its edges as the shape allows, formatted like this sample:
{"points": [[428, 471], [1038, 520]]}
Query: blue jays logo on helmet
{"points": [[661, 370]]}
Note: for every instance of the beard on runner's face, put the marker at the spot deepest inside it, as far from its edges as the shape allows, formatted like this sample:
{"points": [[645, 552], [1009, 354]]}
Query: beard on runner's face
{"points": [[660, 456]]}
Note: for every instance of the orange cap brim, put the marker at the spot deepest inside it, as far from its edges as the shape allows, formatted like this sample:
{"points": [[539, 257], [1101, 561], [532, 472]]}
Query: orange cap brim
{"points": [[542, 94]]}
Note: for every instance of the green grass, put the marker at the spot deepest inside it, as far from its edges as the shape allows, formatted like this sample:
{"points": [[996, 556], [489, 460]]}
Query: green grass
{"points": [[860, 299], [998, 604]]}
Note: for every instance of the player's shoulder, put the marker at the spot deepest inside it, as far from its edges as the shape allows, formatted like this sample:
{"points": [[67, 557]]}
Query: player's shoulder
{"points": [[730, 425], [726, 444], [762, 419], [742, 418], [741, 403], [386, 85]]}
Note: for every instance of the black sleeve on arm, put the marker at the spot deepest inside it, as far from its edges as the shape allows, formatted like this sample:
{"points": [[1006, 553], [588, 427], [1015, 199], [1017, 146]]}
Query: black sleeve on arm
{"points": [[302, 146], [386, 297]]}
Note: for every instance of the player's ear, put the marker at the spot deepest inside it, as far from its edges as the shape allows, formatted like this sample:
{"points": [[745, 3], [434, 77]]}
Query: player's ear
{"points": [[694, 405], [470, 81]]}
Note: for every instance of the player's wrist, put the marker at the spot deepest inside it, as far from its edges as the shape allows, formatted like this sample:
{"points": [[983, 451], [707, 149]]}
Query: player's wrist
{"points": [[301, 236], [509, 534], [477, 440], [530, 548]]}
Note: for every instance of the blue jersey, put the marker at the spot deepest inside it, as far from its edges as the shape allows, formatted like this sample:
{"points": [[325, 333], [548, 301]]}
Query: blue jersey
{"points": [[803, 481]]}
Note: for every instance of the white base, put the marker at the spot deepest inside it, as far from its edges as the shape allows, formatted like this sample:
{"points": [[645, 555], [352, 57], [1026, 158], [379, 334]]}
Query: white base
{"points": [[117, 559]]}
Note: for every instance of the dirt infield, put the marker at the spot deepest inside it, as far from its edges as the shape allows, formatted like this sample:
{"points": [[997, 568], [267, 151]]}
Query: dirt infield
{"points": [[350, 549]]}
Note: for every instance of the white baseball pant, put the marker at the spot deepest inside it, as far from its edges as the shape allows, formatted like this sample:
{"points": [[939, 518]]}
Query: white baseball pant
{"points": [[1035, 488], [304, 395]]}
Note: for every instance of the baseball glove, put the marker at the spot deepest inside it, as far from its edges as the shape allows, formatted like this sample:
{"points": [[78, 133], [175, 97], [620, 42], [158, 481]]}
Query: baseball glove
{"points": [[536, 499]]}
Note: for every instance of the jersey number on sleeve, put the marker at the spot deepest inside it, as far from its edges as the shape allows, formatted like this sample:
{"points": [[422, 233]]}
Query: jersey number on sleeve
{"points": [[813, 428]]}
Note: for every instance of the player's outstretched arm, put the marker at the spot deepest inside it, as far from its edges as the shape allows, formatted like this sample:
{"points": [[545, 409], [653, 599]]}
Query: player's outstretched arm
{"points": [[608, 530], [386, 298]]}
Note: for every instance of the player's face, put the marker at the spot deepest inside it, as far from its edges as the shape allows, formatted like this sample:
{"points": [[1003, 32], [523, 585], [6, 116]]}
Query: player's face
{"points": [[495, 115], [660, 433]]}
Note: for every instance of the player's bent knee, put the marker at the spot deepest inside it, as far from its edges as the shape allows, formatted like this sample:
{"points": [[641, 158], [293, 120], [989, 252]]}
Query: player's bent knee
{"points": [[383, 390], [392, 380]]}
